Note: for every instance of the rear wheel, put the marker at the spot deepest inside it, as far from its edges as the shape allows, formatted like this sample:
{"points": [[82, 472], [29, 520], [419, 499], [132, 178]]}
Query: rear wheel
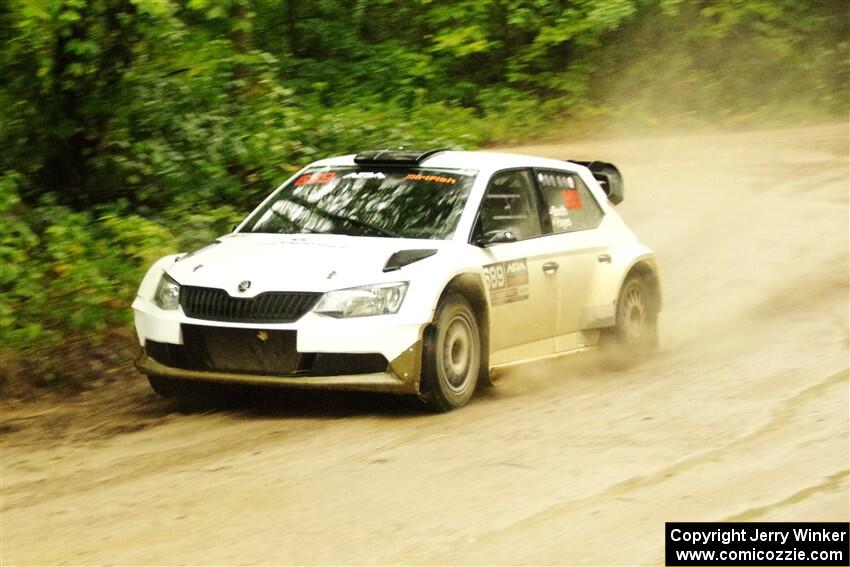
{"points": [[636, 333], [452, 355]]}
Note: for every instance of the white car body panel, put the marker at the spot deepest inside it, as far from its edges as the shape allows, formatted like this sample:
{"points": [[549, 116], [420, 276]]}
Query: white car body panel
{"points": [[563, 310]]}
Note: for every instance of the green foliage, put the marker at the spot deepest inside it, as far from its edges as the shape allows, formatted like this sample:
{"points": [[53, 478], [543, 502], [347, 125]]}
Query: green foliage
{"points": [[18, 243], [133, 128], [70, 272]]}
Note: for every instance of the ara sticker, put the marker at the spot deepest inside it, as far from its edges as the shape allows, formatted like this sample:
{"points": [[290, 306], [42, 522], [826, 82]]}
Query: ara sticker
{"points": [[365, 175], [507, 282], [430, 177], [571, 199], [315, 178]]}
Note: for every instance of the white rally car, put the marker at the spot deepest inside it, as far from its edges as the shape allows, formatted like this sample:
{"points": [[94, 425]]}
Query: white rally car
{"points": [[418, 273]]}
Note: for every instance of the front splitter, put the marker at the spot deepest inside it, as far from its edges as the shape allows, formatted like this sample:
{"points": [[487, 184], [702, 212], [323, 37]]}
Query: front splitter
{"points": [[406, 365]]}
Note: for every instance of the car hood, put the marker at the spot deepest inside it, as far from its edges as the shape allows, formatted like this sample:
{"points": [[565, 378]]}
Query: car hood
{"points": [[284, 262]]}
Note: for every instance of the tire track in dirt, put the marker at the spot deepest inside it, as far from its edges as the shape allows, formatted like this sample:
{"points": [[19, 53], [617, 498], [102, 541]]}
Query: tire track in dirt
{"points": [[781, 420], [830, 483]]}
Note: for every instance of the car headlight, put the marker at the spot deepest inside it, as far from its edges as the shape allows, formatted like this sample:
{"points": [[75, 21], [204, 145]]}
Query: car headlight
{"points": [[378, 299], [167, 294]]}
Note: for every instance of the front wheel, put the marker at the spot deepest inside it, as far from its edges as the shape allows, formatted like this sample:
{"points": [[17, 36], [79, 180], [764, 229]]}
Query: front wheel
{"points": [[452, 355]]}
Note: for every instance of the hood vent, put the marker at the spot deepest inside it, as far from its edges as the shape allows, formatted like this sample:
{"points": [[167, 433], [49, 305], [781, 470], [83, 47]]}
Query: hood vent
{"points": [[403, 258]]}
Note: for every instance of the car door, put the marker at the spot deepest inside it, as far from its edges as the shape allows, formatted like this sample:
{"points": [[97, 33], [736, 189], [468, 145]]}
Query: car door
{"points": [[521, 275], [573, 216]]}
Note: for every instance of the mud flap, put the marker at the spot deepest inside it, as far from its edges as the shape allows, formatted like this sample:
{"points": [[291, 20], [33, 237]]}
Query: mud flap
{"points": [[407, 366]]}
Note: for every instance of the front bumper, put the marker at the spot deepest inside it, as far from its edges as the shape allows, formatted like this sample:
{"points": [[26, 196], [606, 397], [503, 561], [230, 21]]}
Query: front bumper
{"points": [[398, 341], [387, 382]]}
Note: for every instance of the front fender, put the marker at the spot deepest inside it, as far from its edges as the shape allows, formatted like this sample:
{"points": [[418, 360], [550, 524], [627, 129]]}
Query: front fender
{"points": [[430, 278]]}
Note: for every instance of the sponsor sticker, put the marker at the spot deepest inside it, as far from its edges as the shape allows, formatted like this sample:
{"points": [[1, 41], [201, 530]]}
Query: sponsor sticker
{"points": [[571, 199], [365, 175], [507, 282], [315, 178], [431, 177], [561, 220]]}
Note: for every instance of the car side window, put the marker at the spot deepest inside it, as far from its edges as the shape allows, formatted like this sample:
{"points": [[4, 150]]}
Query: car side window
{"points": [[569, 203], [510, 204]]}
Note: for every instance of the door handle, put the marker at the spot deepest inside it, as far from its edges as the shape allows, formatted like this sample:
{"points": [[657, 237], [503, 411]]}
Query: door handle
{"points": [[604, 258], [550, 267]]}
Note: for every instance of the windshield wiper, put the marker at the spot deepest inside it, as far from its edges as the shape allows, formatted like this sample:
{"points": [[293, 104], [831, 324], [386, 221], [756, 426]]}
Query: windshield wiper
{"points": [[298, 229], [343, 218]]}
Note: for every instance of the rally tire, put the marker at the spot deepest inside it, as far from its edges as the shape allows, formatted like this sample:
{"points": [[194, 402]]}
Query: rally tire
{"points": [[635, 334], [452, 355]]}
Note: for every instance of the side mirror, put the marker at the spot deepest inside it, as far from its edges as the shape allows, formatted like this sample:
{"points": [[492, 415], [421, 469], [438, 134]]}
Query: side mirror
{"points": [[495, 237]]}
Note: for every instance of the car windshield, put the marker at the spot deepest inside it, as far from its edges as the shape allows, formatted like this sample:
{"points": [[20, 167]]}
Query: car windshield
{"points": [[361, 201]]}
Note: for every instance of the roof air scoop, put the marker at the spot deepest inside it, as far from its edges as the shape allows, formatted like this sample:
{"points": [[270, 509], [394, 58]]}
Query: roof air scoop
{"points": [[399, 157]]}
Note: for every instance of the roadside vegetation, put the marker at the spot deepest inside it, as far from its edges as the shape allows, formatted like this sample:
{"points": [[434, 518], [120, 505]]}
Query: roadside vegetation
{"points": [[134, 128]]}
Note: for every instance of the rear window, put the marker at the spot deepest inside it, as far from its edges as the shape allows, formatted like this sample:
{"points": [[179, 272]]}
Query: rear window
{"points": [[569, 203], [359, 201]]}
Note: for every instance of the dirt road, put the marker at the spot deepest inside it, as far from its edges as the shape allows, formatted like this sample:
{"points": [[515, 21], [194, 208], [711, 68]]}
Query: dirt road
{"points": [[743, 414]]}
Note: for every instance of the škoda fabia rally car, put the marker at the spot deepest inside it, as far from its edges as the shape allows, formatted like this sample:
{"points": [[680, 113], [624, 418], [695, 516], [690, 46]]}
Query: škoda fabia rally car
{"points": [[419, 273]]}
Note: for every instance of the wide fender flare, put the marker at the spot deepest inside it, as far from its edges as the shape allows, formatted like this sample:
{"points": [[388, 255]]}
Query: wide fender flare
{"points": [[601, 306], [468, 280]]}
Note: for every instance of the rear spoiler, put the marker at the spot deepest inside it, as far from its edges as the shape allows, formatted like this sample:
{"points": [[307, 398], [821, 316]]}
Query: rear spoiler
{"points": [[608, 176]]}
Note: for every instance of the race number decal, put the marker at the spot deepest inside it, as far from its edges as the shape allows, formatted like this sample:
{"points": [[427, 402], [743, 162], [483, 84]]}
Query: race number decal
{"points": [[315, 178], [507, 281]]}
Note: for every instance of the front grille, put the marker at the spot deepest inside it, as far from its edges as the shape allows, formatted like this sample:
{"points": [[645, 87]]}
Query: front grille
{"points": [[252, 351], [337, 364], [168, 354], [215, 304], [244, 351]]}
